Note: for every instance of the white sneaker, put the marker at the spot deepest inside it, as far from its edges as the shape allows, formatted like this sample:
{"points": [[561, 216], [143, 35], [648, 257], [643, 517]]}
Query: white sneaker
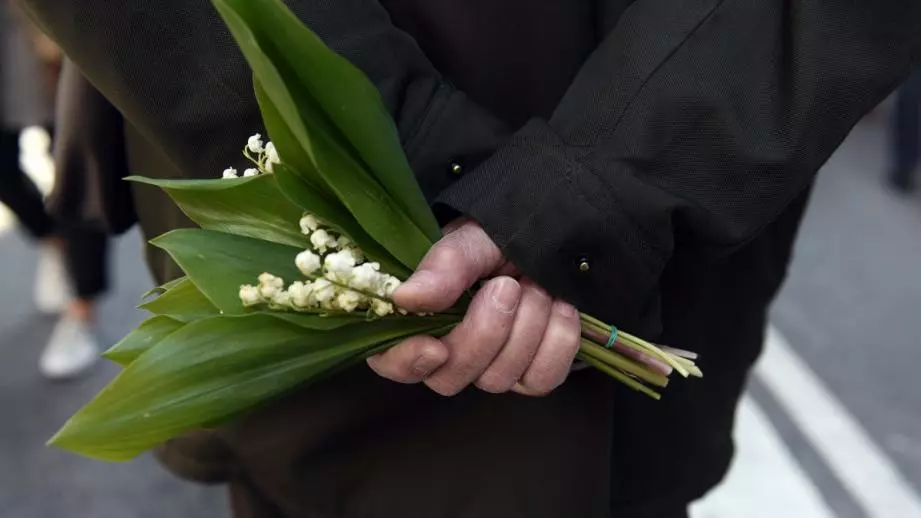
{"points": [[52, 285], [71, 349]]}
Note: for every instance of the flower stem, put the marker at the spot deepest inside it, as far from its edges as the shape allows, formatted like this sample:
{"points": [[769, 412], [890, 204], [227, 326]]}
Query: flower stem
{"points": [[622, 363], [638, 356], [621, 377]]}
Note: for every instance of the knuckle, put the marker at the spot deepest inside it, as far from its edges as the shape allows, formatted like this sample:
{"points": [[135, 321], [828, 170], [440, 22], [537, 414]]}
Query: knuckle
{"points": [[448, 254], [541, 381], [475, 246], [444, 388], [495, 382]]}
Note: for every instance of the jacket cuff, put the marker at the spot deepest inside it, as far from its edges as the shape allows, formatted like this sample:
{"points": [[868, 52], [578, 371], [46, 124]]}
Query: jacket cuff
{"points": [[555, 219], [452, 137]]}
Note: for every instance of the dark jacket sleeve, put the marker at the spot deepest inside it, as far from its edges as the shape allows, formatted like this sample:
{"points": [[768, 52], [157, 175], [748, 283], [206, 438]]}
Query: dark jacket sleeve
{"points": [[694, 124], [173, 70]]}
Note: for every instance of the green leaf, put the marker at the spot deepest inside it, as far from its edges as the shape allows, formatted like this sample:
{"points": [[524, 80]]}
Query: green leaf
{"points": [[183, 301], [346, 97], [210, 370], [163, 288], [139, 341], [253, 207], [220, 263], [333, 160], [305, 191], [317, 322]]}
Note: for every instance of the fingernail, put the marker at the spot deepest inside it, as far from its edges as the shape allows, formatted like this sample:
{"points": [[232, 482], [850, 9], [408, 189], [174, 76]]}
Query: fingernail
{"points": [[424, 365], [565, 309], [505, 295]]}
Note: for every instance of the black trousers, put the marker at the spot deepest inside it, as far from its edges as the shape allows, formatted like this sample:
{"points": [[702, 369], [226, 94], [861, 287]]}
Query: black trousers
{"points": [[18, 192], [86, 254]]}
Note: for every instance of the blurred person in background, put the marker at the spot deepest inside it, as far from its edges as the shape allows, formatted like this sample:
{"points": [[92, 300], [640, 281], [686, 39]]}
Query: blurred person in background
{"points": [[88, 146], [906, 134], [26, 79], [72, 269]]}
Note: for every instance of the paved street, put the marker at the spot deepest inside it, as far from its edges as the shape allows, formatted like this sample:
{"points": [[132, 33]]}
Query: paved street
{"points": [[831, 426]]}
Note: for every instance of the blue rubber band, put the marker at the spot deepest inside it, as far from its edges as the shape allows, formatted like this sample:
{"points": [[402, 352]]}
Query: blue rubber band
{"points": [[612, 338]]}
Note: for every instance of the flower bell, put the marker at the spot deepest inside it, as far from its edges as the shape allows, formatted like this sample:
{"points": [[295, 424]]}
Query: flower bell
{"points": [[254, 144]]}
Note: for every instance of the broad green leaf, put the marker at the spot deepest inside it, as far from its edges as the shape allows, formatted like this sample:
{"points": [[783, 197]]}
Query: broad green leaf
{"points": [[305, 192], [220, 263], [332, 159], [253, 207], [163, 288], [323, 201], [345, 95], [183, 301], [210, 370], [145, 336], [316, 322]]}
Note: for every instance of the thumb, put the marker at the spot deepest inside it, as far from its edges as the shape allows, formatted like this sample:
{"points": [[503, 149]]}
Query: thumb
{"points": [[459, 259]]}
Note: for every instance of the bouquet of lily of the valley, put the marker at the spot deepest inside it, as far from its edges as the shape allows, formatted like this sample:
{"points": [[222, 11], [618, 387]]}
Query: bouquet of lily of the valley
{"points": [[289, 279]]}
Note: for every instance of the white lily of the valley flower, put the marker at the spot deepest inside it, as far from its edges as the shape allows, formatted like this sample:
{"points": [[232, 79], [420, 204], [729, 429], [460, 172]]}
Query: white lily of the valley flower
{"points": [[354, 250], [254, 144], [348, 300], [250, 172], [271, 154], [381, 308], [282, 299], [365, 277], [250, 295], [309, 223], [300, 294], [339, 266], [321, 240], [229, 173], [268, 278], [323, 292], [391, 283], [307, 262], [271, 157], [270, 285]]}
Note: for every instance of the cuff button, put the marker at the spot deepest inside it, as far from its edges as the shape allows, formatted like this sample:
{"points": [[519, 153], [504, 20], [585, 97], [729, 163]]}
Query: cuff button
{"points": [[456, 169]]}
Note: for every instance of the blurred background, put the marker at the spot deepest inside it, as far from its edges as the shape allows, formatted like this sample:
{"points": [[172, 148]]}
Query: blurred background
{"points": [[830, 427]]}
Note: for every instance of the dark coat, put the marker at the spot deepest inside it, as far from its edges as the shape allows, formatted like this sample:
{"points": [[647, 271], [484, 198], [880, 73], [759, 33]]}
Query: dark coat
{"points": [[670, 144]]}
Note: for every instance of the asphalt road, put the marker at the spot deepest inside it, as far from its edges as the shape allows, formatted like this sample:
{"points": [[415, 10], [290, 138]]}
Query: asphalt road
{"points": [[845, 352]]}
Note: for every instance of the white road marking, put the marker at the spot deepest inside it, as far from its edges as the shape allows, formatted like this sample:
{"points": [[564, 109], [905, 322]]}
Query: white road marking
{"points": [[765, 481], [863, 468]]}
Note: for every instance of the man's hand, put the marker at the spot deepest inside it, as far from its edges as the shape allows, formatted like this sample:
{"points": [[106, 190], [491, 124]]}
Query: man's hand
{"points": [[513, 337]]}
